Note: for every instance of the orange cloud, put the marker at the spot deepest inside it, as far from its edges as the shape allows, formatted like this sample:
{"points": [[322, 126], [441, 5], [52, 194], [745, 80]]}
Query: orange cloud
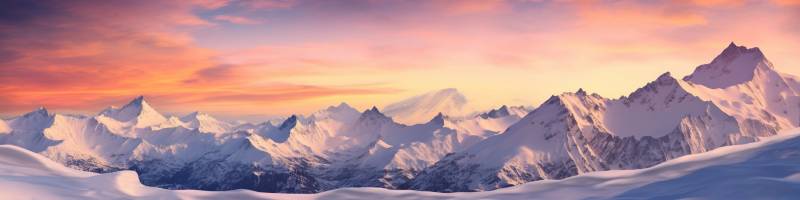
{"points": [[282, 93], [72, 55]]}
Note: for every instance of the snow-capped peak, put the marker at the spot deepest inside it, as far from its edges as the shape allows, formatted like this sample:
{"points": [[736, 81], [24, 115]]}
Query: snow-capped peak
{"points": [[342, 112], [665, 77], [664, 81], [580, 92], [282, 133], [421, 108], [371, 114], [205, 123], [437, 120], [137, 111], [496, 113], [733, 51], [289, 123], [372, 110], [735, 65], [504, 111], [35, 120], [38, 113], [195, 115], [341, 106]]}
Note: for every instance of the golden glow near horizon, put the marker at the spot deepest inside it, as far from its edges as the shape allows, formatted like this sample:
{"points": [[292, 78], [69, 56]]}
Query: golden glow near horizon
{"points": [[268, 58]]}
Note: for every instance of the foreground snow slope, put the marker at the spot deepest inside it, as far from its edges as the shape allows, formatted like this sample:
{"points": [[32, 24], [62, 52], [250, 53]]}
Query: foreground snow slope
{"points": [[769, 169]]}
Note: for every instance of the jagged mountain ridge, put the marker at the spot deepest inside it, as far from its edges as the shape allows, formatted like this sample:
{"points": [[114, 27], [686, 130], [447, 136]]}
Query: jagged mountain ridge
{"points": [[569, 134], [575, 133], [301, 154]]}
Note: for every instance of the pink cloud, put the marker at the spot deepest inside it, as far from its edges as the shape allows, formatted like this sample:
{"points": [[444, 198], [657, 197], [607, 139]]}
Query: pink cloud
{"points": [[473, 6], [787, 2], [236, 19], [267, 4]]}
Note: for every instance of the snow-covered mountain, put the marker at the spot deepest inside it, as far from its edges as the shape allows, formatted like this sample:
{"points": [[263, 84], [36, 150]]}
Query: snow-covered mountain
{"points": [[136, 114], [488, 123], [334, 147], [431, 141], [420, 109], [205, 123], [761, 170], [575, 133]]}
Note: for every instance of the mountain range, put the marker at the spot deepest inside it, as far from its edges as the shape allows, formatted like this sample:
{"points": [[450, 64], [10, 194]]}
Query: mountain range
{"points": [[428, 142], [761, 170]]}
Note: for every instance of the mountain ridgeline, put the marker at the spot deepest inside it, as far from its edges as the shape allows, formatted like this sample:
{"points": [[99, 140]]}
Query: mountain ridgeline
{"points": [[428, 142]]}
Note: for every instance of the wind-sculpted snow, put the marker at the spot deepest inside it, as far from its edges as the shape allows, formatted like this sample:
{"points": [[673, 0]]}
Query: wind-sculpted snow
{"points": [[738, 98], [767, 169]]}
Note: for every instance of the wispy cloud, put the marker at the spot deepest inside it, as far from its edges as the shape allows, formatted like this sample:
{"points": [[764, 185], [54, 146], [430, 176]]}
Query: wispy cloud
{"points": [[236, 19], [72, 55], [267, 4]]}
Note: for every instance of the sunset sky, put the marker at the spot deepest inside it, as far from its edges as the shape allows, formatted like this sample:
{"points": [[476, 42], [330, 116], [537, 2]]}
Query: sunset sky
{"points": [[250, 59]]}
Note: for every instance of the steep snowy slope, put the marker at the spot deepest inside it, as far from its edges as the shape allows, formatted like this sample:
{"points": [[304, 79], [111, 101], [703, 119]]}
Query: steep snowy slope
{"points": [[420, 109], [575, 133], [762, 170]]}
